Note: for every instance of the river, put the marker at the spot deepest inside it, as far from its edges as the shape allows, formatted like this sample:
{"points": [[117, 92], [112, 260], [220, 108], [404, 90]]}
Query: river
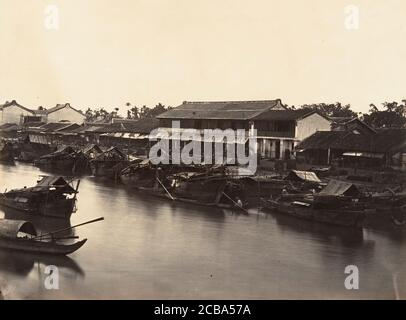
{"points": [[151, 248]]}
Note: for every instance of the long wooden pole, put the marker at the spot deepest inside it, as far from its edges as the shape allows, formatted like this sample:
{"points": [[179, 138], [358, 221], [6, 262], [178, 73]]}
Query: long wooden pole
{"points": [[235, 203], [66, 229], [165, 188], [77, 189], [61, 238]]}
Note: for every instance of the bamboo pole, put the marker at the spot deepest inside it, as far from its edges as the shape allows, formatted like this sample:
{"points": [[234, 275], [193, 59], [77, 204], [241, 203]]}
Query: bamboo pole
{"points": [[165, 188], [77, 189], [60, 238], [69, 228], [235, 203]]}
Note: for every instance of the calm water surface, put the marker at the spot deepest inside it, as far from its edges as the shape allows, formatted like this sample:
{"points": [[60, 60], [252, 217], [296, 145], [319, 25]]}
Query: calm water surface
{"points": [[149, 248]]}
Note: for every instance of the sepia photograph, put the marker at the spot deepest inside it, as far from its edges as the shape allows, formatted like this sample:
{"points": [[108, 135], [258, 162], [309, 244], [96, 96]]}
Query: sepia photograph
{"points": [[175, 150]]}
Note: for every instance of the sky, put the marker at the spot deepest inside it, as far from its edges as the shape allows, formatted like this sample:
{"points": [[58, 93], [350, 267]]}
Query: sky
{"points": [[99, 53]]}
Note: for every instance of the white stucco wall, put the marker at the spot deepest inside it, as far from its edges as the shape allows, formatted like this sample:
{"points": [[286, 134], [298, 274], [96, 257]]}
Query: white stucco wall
{"points": [[309, 125], [12, 114], [67, 114]]}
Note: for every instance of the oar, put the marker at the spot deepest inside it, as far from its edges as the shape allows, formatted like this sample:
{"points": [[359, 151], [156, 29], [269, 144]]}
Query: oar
{"points": [[70, 228], [60, 238], [165, 188], [243, 209]]}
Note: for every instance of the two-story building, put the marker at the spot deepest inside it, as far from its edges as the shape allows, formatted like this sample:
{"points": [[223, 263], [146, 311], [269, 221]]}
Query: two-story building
{"points": [[62, 112], [278, 129], [13, 112]]}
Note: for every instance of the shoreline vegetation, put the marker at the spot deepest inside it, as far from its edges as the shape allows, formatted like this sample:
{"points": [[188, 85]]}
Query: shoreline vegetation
{"points": [[389, 114]]}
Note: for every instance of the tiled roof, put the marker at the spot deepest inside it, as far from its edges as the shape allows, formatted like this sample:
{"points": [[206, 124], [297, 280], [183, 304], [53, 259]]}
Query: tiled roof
{"points": [[15, 103], [282, 115], [54, 126], [343, 123], [69, 128], [33, 124], [61, 106], [8, 127], [85, 128], [341, 120], [145, 125], [239, 110], [384, 140], [321, 140]]}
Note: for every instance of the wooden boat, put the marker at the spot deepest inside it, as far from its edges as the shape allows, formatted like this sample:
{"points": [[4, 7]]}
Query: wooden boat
{"points": [[308, 207], [91, 151], [22, 236], [31, 148], [390, 209], [65, 159], [141, 175], [252, 188], [386, 208], [109, 163], [52, 196], [6, 152], [205, 188]]}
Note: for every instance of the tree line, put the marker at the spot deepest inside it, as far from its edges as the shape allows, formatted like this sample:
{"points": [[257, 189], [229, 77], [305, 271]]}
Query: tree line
{"points": [[132, 112], [388, 115]]}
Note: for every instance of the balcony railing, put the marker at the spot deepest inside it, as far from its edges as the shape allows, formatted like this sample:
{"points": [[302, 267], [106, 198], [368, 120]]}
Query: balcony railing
{"points": [[279, 134]]}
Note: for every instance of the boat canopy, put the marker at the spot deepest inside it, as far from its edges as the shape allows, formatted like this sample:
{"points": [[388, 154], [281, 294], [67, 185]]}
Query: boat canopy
{"points": [[93, 148], [111, 153], [340, 188], [10, 228], [307, 176], [47, 183], [62, 151], [56, 182]]}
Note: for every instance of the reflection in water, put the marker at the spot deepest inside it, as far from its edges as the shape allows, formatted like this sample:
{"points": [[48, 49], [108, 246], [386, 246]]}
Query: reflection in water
{"points": [[149, 247], [22, 263], [349, 237]]}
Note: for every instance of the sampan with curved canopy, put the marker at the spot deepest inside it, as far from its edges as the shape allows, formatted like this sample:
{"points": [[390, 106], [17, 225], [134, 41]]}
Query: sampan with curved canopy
{"points": [[10, 228], [22, 236]]}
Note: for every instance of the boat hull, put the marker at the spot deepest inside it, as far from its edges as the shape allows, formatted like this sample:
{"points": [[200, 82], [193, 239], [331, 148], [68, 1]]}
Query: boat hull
{"points": [[345, 218], [108, 169], [7, 153], [141, 178], [74, 166], [6, 157], [60, 209], [40, 247], [203, 191]]}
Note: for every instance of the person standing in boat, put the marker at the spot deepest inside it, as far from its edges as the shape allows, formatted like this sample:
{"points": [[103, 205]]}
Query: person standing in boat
{"points": [[238, 203]]}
